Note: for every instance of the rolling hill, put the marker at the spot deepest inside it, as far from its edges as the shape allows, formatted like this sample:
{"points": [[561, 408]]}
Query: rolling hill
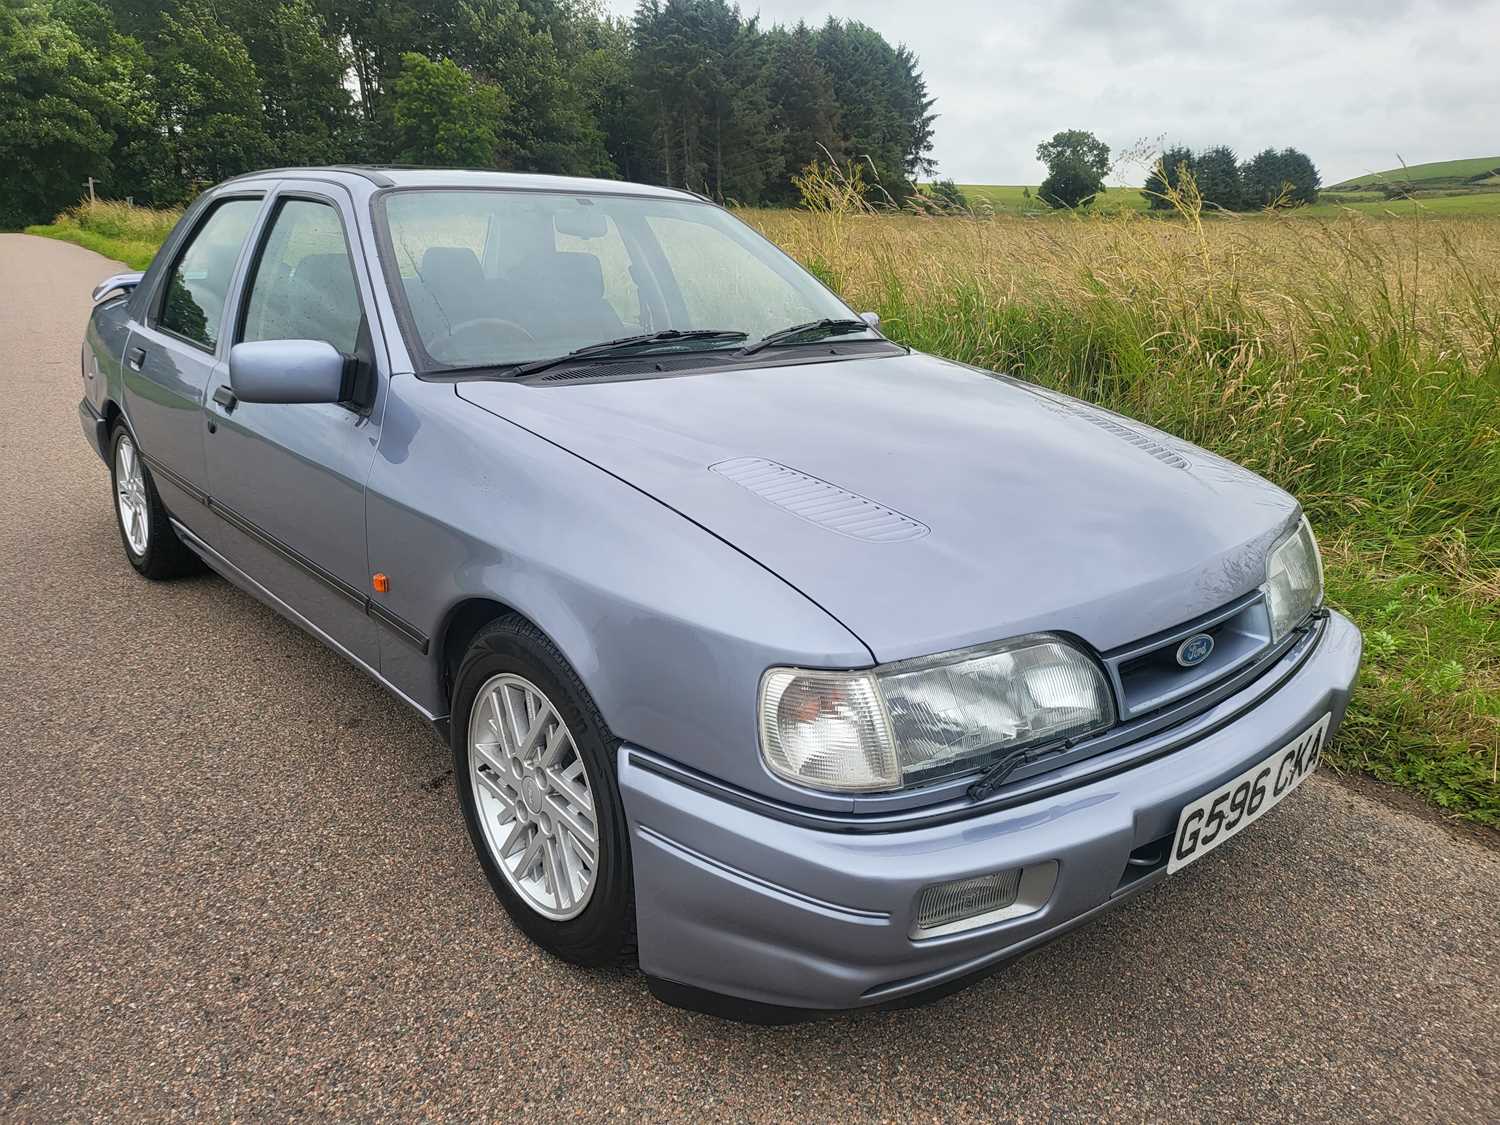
{"points": [[1437, 176]]}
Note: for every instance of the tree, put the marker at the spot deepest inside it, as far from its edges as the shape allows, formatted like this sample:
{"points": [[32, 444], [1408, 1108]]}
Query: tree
{"points": [[128, 108], [1070, 184], [308, 111], [700, 69], [602, 77], [1302, 174], [1166, 177], [209, 96], [947, 196], [526, 48], [1076, 163], [1217, 171], [1076, 146], [444, 115], [51, 104], [885, 113], [804, 111]]}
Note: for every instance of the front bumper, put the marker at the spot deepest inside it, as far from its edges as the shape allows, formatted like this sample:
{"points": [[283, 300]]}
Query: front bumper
{"points": [[782, 917]]}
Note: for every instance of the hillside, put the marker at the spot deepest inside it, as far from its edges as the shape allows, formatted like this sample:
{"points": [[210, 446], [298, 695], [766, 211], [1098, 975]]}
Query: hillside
{"points": [[1437, 175]]}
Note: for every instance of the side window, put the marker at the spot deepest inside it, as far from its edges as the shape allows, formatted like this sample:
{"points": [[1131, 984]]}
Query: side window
{"points": [[194, 303], [303, 285]]}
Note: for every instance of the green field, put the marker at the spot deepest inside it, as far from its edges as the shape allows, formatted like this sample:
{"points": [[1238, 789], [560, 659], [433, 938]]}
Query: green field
{"points": [[1476, 204], [1011, 198], [1442, 173], [1477, 200]]}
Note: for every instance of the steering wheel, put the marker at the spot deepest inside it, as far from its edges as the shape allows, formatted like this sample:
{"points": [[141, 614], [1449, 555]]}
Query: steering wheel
{"points": [[486, 322]]}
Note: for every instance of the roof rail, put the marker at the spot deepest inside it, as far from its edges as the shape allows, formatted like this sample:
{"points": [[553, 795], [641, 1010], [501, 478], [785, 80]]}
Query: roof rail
{"points": [[379, 179]]}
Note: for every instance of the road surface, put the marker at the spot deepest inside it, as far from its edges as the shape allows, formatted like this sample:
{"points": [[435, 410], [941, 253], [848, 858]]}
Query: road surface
{"points": [[235, 883]]}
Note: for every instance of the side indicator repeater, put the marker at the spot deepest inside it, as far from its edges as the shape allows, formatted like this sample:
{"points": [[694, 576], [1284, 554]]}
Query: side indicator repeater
{"points": [[380, 582]]}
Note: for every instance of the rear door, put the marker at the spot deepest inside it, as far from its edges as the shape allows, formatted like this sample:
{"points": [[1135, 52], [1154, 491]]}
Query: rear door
{"points": [[288, 479], [175, 349]]}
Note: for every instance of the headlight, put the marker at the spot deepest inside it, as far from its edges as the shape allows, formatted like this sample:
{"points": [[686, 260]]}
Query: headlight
{"points": [[1294, 580], [920, 720]]}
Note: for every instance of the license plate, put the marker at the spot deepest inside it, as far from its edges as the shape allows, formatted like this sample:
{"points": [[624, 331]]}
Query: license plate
{"points": [[1239, 803]]}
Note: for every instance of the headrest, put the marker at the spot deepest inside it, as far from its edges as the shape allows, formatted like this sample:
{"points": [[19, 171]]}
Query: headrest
{"points": [[451, 269], [324, 272], [577, 275]]}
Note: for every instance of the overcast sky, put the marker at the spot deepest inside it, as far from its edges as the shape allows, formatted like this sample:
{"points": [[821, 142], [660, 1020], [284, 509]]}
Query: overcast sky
{"points": [[1359, 85]]}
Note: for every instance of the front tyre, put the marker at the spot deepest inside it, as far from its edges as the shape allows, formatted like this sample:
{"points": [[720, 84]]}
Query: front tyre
{"points": [[145, 530], [534, 770]]}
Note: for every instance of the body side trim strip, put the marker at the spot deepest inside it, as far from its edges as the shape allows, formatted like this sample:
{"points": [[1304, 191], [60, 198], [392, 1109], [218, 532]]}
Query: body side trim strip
{"points": [[378, 613]]}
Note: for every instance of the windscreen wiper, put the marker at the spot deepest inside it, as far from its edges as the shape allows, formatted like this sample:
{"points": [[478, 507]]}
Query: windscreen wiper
{"points": [[831, 326], [625, 343]]}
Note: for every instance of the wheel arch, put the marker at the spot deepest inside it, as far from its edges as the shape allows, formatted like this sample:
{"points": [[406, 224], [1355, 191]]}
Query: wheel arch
{"points": [[458, 628]]}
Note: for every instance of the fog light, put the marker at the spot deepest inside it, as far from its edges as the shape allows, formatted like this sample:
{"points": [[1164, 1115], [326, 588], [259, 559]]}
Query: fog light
{"points": [[966, 904], [943, 903]]}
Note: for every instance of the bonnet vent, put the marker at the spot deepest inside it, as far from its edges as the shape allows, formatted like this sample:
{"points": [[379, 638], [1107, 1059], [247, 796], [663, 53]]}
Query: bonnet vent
{"points": [[1124, 433], [819, 502]]}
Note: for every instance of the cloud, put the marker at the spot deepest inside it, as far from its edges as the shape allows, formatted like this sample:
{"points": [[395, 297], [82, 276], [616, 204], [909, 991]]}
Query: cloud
{"points": [[1354, 83]]}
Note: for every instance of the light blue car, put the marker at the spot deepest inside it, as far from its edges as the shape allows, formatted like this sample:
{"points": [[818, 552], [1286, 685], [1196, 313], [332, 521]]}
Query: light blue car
{"points": [[816, 672]]}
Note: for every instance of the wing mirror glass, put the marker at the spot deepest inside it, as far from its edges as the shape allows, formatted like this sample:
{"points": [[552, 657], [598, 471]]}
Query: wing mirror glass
{"points": [[870, 318], [287, 371]]}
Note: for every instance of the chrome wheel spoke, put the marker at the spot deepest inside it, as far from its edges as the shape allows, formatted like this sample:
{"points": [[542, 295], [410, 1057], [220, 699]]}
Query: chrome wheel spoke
{"points": [[535, 803], [574, 826], [564, 783]]}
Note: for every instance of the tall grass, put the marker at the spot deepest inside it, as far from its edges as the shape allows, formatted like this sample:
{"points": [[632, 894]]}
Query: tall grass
{"points": [[116, 230], [1356, 362]]}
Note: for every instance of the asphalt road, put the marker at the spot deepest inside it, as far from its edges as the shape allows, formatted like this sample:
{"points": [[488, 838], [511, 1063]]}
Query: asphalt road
{"points": [[234, 882]]}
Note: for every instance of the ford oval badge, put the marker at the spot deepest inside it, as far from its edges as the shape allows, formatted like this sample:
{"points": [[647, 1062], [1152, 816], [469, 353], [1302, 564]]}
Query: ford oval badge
{"points": [[1195, 650]]}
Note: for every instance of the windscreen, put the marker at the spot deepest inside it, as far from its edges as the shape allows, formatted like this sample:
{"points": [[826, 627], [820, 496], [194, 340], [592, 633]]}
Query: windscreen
{"points": [[495, 277]]}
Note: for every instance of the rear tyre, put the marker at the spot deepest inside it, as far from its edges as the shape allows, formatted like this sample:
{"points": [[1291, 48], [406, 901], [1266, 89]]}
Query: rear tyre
{"points": [[534, 769], [145, 529]]}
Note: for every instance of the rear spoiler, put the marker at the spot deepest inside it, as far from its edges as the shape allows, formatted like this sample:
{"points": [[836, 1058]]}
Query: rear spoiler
{"points": [[121, 282]]}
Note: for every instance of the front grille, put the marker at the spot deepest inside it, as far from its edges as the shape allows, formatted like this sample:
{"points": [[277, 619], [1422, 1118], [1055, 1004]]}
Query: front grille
{"points": [[1147, 675]]}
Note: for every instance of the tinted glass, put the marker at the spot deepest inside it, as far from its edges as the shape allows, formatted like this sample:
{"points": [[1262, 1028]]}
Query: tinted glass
{"points": [[303, 287], [199, 282], [501, 277]]}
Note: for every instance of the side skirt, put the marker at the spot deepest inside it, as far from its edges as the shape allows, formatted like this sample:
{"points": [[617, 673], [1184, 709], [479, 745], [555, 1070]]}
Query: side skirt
{"points": [[238, 577]]}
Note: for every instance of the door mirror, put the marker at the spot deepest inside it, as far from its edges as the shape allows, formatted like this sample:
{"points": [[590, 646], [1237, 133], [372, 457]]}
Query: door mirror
{"points": [[870, 318], [287, 371]]}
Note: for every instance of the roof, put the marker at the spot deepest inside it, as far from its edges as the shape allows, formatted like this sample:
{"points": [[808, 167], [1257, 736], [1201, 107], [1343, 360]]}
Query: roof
{"points": [[390, 175]]}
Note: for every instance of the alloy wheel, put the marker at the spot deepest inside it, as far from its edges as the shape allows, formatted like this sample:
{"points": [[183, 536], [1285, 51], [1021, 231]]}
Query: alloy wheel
{"points": [[130, 494], [533, 796]]}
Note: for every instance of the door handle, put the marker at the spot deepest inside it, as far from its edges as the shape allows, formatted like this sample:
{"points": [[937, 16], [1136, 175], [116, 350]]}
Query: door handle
{"points": [[225, 398], [134, 358]]}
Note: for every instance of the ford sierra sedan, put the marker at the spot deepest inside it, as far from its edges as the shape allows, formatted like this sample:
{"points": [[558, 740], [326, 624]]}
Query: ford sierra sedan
{"points": [[810, 671]]}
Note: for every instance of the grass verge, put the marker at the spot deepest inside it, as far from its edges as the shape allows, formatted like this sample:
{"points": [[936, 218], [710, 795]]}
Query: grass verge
{"points": [[116, 230]]}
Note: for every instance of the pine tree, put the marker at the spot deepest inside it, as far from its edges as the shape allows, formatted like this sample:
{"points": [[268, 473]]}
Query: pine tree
{"points": [[804, 112], [1166, 177], [1217, 171]]}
